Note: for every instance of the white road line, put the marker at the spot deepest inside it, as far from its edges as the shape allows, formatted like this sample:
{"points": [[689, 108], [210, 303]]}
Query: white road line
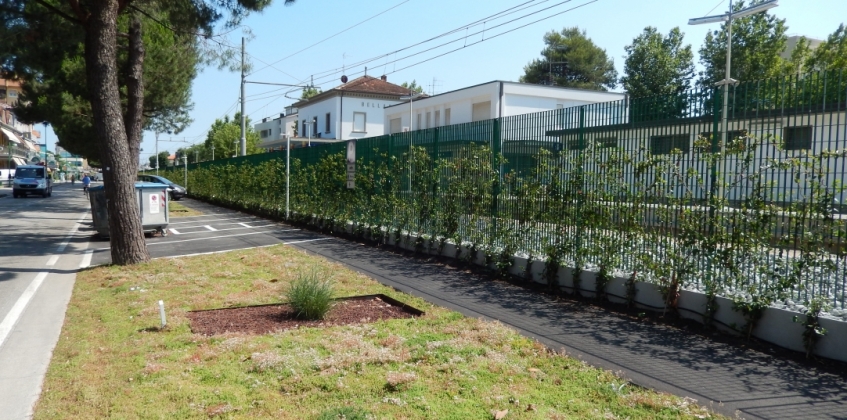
{"points": [[216, 220], [15, 313], [86, 258], [246, 225], [215, 237], [53, 260], [210, 228], [305, 240], [240, 249], [71, 234], [174, 231], [220, 230]]}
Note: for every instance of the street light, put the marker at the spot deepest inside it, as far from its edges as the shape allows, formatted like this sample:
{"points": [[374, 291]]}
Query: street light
{"points": [[727, 17], [411, 99]]}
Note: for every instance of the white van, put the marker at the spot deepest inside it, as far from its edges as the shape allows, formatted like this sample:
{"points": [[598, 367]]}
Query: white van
{"points": [[32, 179]]}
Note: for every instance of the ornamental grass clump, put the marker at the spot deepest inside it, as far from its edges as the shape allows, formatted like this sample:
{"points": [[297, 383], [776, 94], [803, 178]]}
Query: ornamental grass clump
{"points": [[310, 296]]}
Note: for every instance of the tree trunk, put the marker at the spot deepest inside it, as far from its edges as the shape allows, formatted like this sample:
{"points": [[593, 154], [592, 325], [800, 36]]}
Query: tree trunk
{"points": [[120, 165]]}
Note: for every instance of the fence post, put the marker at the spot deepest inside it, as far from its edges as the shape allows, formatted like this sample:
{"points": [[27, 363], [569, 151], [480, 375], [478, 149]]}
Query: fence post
{"points": [[713, 166], [496, 147], [580, 181]]}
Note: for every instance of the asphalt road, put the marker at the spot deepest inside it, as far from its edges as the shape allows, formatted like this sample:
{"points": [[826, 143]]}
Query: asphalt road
{"points": [[40, 252], [46, 241]]}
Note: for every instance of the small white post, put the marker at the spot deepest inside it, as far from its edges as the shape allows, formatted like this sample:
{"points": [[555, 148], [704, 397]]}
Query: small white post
{"points": [[162, 313]]}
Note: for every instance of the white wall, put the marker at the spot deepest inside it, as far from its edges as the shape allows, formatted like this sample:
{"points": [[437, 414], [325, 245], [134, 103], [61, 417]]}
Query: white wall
{"points": [[319, 109], [347, 107], [518, 98]]}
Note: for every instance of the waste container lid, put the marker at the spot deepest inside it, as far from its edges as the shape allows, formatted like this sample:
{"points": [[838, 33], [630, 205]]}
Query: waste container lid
{"points": [[138, 185]]}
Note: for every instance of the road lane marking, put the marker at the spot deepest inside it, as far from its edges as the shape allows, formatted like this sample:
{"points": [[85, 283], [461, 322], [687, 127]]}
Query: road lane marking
{"points": [[246, 225], [15, 313], [53, 260], [174, 231], [210, 228], [86, 258]]}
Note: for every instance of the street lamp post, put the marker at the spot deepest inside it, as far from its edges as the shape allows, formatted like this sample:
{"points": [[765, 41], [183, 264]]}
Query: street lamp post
{"points": [[411, 99], [727, 17]]}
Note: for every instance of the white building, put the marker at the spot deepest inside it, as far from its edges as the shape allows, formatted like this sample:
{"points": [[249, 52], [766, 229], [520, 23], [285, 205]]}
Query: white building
{"points": [[486, 101], [351, 111], [274, 132]]}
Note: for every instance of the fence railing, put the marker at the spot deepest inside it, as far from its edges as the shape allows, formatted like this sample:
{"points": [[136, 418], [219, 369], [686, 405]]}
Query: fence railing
{"points": [[638, 188]]}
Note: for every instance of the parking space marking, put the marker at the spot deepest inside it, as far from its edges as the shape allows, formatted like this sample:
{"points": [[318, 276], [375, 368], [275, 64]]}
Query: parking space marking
{"points": [[246, 225], [215, 220], [182, 232], [86, 258], [174, 231], [206, 223], [218, 237]]}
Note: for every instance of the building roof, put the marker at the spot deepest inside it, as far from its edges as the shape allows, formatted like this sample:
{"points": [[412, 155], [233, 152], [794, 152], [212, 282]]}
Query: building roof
{"points": [[364, 85], [559, 88]]}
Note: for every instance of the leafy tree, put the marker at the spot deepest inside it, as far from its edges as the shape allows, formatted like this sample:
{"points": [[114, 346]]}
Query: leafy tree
{"points": [[757, 42], [58, 92], [195, 153], [112, 57], [585, 65], [413, 86], [309, 92], [830, 54], [163, 160], [657, 65], [225, 136]]}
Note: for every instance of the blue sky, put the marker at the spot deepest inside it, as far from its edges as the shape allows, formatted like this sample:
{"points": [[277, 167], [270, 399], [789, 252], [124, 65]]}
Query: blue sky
{"points": [[385, 26]]}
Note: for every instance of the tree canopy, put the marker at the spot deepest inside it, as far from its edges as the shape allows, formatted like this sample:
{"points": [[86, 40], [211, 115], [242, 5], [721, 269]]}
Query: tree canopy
{"points": [[657, 65], [225, 135], [58, 92], [413, 86], [571, 59], [757, 42], [107, 42]]}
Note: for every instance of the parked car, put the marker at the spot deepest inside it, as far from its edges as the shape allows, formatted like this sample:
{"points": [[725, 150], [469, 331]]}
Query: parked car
{"points": [[32, 179], [175, 191]]}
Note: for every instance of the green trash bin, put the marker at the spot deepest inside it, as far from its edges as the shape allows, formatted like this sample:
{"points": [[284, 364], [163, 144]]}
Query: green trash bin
{"points": [[152, 203]]}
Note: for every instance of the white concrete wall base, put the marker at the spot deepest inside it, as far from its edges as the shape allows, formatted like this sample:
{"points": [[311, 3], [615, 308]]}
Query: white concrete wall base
{"points": [[776, 326]]}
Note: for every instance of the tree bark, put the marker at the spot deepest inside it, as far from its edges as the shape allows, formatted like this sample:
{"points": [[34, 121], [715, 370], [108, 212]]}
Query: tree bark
{"points": [[120, 164]]}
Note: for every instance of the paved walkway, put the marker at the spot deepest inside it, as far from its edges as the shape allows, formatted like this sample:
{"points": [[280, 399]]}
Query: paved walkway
{"points": [[728, 379]]}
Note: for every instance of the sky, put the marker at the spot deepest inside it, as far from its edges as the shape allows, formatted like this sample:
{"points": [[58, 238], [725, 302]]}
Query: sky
{"points": [[323, 39]]}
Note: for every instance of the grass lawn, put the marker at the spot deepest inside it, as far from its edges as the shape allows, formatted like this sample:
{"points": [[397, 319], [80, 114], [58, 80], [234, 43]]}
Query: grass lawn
{"points": [[176, 209], [112, 361]]}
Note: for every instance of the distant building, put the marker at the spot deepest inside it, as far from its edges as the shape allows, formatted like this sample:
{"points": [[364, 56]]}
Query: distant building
{"points": [[486, 101], [350, 111]]}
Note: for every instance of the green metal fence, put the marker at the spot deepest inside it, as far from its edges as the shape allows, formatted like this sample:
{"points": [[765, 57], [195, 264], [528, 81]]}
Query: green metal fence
{"points": [[641, 188]]}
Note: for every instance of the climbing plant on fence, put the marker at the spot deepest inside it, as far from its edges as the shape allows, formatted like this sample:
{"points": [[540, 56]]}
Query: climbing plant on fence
{"points": [[758, 220]]}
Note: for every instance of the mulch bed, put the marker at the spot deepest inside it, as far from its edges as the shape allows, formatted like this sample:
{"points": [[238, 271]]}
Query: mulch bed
{"points": [[269, 318]]}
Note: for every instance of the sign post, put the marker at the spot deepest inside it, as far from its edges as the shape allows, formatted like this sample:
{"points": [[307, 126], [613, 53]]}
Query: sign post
{"points": [[351, 164]]}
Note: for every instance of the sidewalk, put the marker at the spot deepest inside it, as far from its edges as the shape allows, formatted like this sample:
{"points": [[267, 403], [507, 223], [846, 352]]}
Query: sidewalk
{"points": [[729, 379]]}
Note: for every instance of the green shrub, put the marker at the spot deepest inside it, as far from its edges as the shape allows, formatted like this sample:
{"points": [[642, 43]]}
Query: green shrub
{"points": [[310, 296], [347, 413]]}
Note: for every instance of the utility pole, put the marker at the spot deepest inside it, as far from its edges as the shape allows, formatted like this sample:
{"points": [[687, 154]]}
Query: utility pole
{"points": [[243, 107], [157, 153]]}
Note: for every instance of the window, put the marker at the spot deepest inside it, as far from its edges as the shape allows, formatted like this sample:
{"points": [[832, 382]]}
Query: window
{"points": [[481, 111], [437, 118], [359, 122], [797, 138], [447, 116], [326, 128], [303, 133], [733, 134], [395, 126], [13, 93], [314, 127], [429, 120], [418, 125], [663, 145], [2, 93]]}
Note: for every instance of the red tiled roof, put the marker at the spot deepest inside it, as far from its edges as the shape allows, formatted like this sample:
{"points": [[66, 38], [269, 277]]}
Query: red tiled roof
{"points": [[368, 84]]}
